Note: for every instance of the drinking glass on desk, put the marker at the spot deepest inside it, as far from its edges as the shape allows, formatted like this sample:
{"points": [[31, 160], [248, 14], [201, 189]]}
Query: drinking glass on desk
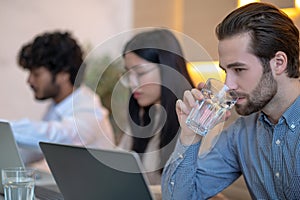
{"points": [[217, 99], [18, 183]]}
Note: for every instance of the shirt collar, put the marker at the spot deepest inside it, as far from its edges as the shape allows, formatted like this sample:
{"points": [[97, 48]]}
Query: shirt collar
{"points": [[65, 104], [291, 115]]}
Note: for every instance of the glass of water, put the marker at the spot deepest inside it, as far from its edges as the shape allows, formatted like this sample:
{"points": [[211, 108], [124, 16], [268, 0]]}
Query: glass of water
{"points": [[217, 99], [18, 183]]}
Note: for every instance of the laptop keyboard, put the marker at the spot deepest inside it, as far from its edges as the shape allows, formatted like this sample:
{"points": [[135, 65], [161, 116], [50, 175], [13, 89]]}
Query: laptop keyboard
{"points": [[43, 193]]}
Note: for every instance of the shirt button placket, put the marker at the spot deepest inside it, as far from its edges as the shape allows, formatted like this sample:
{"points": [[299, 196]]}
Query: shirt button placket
{"points": [[172, 183], [279, 130], [180, 156]]}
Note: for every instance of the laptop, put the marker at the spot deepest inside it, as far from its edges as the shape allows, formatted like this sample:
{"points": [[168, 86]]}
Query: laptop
{"points": [[85, 173], [9, 154], [10, 157]]}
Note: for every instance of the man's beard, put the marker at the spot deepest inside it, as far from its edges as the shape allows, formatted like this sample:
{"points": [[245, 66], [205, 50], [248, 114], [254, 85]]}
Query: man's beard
{"points": [[50, 92], [260, 96]]}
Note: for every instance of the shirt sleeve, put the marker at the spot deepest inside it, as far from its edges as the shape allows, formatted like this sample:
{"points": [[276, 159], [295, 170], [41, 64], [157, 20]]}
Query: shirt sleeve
{"points": [[188, 176], [29, 133], [81, 120], [179, 171]]}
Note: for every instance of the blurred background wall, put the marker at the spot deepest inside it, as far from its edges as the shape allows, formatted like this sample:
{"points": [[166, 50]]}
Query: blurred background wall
{"points": [[93, 22], [90, 21]]}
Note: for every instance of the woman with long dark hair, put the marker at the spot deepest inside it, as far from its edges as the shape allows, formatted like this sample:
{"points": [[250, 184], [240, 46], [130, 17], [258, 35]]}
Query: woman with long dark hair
{"points": [[157, 76]]}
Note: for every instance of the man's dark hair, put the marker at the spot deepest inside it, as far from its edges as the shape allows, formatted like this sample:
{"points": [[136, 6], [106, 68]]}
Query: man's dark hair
{"points": [[58, 52], [270, 29]]}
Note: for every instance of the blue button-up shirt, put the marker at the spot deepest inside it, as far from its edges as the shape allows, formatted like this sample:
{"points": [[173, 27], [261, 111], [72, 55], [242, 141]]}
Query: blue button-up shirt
{"points": [[268, 155]]}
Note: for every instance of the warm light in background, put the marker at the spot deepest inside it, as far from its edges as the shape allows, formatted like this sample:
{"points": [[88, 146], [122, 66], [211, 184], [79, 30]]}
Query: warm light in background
{"points": [[201, 71], [244, 2], [291, 12]]}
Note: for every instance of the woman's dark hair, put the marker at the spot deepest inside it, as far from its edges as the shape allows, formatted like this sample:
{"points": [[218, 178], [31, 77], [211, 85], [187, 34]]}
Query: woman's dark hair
{"points": [[58, 52], [159, 46], [270, 29]]}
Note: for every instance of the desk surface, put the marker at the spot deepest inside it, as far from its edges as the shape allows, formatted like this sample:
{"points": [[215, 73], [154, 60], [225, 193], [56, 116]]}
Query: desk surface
{"points": [[47, 180]]}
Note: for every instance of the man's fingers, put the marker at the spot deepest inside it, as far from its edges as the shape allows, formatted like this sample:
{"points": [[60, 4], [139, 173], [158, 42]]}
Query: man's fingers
{"points": [[189, 99], [197, 94], [181, 108], [200, 85]]}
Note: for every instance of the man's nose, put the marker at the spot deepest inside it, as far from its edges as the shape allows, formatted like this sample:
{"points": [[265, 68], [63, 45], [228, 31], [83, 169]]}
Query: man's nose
{"points": [[30, 79], [231, 82]]}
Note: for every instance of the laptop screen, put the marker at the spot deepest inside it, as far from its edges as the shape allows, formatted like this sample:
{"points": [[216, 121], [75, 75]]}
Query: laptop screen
{"points": [[9, 154], [82, 173]]}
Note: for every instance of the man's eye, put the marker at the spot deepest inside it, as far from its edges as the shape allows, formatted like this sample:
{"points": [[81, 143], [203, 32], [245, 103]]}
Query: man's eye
{"points": [[35, 73], [238, 69]]}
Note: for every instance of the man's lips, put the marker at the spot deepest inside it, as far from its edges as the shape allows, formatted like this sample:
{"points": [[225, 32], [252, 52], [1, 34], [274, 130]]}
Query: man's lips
{"points": [[33, 89], [241, 100]]}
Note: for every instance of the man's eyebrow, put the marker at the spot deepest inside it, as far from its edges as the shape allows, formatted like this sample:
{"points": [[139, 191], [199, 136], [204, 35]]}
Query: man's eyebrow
{"points": [[231, 65]]}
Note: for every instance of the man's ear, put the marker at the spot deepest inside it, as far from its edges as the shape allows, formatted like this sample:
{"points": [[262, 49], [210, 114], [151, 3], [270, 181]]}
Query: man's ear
{"points": [[62, 78], [279, 63]]}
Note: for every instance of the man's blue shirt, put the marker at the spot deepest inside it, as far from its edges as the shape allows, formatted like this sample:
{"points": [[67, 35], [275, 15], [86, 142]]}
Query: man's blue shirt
{"points": [[268, 155]]}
